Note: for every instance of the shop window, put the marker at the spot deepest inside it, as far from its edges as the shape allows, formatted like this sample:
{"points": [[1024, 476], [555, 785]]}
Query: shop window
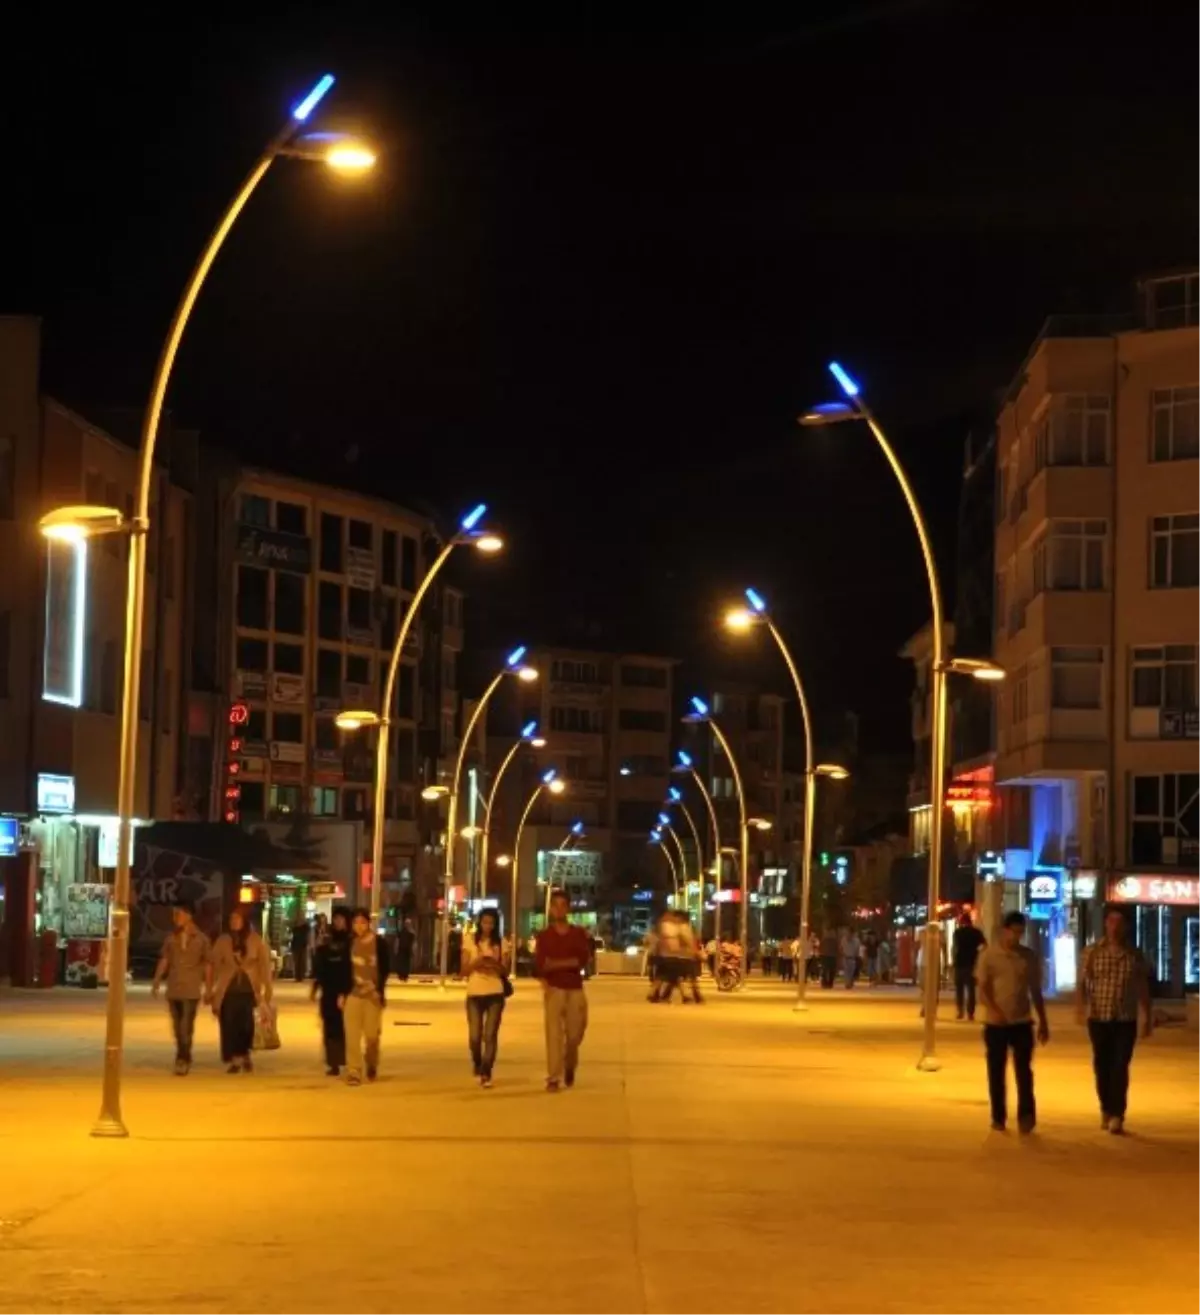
{"points": [[331, 543], [252, 598], [289, 603], [323, 801]]}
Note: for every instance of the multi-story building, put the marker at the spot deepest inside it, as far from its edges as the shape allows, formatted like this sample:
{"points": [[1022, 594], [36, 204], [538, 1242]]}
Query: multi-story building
{"points": [[607, 722], [62, 632], [297, 619], [1097, 565]]}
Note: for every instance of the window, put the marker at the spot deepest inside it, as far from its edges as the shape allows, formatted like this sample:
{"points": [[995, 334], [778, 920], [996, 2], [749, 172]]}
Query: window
{"points": [[360, 534], [1172, 303], [329, 673], [255, 510], [329, 610], [1164, 819], [1165, 677], [331, 542], [289, 659], [251, 598], [1175, 424], [643, 677], [291, 518], [388, 564], [289, 603], [8, 478], [641, 719], [577, 673], [1174, 552], [1070, 555], [408, 563], [285, 799], [581, 720], [252, 655], [1018, 694], [326, 734], [387, 624], [256, 724], [1073, 432], [5, 652], [358, 609], [251, 802], [1076, 677], [358, 669], [287, 726], [644, 764], [323, 801], [354, 805]]}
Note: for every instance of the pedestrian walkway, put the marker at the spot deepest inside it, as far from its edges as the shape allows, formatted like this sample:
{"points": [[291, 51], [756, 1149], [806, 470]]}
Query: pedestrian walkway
{"points": [[731, 1157]]}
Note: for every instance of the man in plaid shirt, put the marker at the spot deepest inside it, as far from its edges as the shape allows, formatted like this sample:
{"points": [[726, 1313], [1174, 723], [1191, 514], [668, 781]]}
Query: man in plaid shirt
{"points": [[1113, 985]]}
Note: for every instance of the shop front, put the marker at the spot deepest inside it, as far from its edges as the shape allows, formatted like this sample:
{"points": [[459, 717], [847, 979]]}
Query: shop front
{"points": [[1165, 918]]}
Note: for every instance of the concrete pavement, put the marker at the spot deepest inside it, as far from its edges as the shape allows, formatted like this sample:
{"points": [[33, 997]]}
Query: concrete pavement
{"points": [[731, 1157]]}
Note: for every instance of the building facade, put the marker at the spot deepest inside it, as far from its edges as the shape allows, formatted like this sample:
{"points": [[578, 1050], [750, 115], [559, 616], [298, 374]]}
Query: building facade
{"points": [[62, 634]]}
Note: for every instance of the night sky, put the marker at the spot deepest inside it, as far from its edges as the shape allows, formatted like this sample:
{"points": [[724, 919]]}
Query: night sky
{"points": [[601, 268]]}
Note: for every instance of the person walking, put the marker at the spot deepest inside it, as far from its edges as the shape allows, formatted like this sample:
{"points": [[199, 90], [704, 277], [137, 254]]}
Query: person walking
{"points": [[562, 955], [829, 957], [787, 959], [871, 955], [487, 983], [332, 981], [364, 1005], [186, 963], [668, 960], [851, 949], [241, 966], [967, 941], [1010, 982], [301, 932], [1113, 986], [406, 939]]}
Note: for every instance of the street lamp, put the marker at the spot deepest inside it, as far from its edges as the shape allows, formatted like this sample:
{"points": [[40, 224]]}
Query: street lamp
{"points": [[73, 524], [701, 713], [656, 839], [470, 533], [684, 766], [743, 619], [675, 800], [853, 407], [514, 665], [554, 784], [528, 736]]}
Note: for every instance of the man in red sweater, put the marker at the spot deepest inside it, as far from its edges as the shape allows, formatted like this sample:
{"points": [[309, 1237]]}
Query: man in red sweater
{"points": [[562, 956]]}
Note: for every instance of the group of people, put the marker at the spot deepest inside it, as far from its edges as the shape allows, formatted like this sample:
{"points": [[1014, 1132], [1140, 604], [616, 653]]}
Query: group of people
{"points": [[351, 964], [308, 940], [673, 954]]}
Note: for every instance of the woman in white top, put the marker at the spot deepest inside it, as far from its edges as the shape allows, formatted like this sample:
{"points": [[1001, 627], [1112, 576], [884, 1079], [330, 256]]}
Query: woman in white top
{"points": [[487, 987]]}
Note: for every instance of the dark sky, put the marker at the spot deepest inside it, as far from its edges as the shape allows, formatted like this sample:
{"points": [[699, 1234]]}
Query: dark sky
{"points": [[601, 267]]}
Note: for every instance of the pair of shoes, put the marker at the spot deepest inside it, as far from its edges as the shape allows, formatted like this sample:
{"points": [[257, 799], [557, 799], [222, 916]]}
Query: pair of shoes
{"points": [[485, 1081], [353, 1080], [552, 1084], [997, 1125], [247, 1065], [181, 1068], [569, 1077], [1104, 1121], [234, 1068], [1026, 1126], [1116, 1126], [332, 1071], [372, 1072]]}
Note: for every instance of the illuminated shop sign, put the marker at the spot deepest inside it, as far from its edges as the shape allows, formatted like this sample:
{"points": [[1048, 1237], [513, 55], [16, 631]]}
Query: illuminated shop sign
{"points": [[1043, 887], [66, 612], [10, 837], [968, 792], [1155, 890], [55, 794]]}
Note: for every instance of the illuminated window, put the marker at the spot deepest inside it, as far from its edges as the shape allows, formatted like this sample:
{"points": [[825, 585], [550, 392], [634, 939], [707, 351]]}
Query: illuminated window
{"points": [[323, 801], [285, 799]]}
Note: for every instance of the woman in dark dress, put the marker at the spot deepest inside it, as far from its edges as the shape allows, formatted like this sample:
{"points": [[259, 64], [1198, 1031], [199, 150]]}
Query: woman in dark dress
{"points": [[241, 983], [332, 980]]}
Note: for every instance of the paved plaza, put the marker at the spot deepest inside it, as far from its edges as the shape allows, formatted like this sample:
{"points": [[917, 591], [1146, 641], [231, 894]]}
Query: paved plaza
{"points": [[731, 1157]]}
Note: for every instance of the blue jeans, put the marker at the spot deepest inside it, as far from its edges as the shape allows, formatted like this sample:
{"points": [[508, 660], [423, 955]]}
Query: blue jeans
{"points": [[183, 1022], [483, 1030]]}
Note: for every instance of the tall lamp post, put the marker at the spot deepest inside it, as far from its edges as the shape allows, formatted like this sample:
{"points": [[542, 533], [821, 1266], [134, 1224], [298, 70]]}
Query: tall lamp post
{"points": [[685, 766], [664, 824], [656, 838], [855, 408], [80, 522], [554, 784], [674, 799], [353, 719], [742, 619], [702, 713], [514, 665], [529, 736]]}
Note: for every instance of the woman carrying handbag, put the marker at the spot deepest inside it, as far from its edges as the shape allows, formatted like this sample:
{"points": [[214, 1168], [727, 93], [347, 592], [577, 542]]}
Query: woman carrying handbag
{"points": [[241, 982], [488, 986]]}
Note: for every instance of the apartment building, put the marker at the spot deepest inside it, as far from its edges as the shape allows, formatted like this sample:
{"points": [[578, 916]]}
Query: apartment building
{"points": [[297, 619], [607, 721], [62, 634], [1097, 552]]}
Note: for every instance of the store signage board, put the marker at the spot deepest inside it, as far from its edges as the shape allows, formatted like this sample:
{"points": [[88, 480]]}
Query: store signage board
{"points": [[1043, 887], [288, 552], [10, 837], [55, 794], [284, 751], [1155, 890]]}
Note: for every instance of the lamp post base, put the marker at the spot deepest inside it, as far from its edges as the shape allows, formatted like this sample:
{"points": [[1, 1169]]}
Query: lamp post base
{"points": [[801, 1007], [109, 1126]]}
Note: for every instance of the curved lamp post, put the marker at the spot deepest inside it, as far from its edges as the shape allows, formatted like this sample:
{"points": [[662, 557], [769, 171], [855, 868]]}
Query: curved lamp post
{"points": [[354, 719], [554, 784], [684, 765], [855, 408], [529, 736], [514, 665], [664, 824], [743, 619], [674, 799], [75, 524], [656, 839]]}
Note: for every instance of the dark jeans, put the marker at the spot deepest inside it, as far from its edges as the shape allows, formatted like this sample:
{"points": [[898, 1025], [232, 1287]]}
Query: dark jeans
{"points": [[483, 1030], [333, 1029], [998, 1040], [237, 1025], [828, 970], [183, 1021], [964, 990], [1112, 1052], [300, 961]]}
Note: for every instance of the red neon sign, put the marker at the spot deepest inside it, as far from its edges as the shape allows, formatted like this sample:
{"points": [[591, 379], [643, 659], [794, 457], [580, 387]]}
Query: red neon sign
{"points": [[239, 714]]}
